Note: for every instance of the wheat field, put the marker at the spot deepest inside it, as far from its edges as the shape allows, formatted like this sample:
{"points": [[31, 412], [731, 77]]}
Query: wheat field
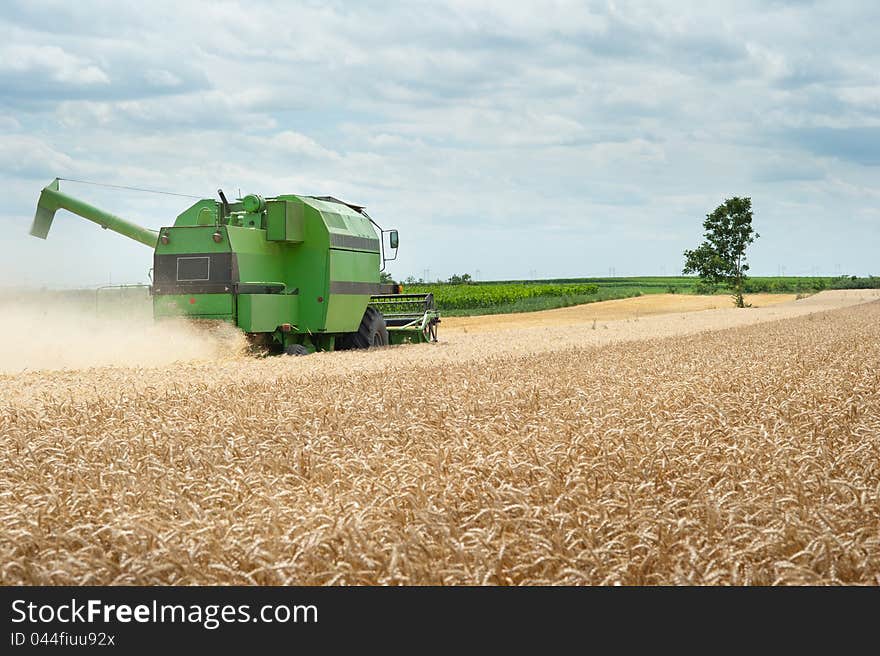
{"points": [[721, 447]]}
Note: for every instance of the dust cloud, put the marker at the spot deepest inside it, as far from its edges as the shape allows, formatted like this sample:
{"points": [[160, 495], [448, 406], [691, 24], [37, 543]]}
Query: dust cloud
{"points": [[46, 331]]}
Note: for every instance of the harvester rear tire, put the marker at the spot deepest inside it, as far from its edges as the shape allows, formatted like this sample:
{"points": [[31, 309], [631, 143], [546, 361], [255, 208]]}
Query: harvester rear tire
{"points": [[372, 332], [296, 349]]}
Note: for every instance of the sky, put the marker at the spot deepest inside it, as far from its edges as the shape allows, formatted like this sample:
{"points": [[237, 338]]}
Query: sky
{"points": [[508, 140]]}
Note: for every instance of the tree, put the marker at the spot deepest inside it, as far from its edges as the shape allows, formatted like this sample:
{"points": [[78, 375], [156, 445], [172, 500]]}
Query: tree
{"points": [[385, 277], [721, 258], [463, 279]]}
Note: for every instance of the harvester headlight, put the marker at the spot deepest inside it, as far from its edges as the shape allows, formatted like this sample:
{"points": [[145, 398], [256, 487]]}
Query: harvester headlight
{"points": [[164, 239], [217, 236]]}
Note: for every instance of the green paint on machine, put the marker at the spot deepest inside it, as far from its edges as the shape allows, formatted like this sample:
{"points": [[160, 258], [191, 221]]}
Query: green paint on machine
{"points": [[288, 270]]}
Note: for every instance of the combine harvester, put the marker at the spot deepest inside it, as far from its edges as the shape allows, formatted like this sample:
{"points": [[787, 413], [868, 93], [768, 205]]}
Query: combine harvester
{"points": [[297, 274]]}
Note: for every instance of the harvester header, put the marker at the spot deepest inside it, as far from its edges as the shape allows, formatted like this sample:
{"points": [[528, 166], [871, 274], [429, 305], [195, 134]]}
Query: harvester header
{"points": [[296, 273]]}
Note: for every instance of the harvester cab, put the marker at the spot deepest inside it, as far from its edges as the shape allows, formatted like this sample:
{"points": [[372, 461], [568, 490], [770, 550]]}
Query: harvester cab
{"points": [[295, 273]]}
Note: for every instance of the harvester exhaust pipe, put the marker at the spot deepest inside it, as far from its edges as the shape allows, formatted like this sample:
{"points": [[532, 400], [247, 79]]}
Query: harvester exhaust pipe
{"points": [[52, 200]]}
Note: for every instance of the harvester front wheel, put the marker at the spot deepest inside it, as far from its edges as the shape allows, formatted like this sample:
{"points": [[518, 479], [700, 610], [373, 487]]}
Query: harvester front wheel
{"points": [[372, 331]]}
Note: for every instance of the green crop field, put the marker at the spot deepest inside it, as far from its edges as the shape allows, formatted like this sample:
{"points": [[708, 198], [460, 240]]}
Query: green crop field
{"points": [[492, 295], [529, 295]]}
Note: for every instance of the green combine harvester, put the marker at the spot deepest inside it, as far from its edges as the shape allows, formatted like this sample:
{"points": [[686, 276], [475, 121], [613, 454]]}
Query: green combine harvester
{"points": [[297, 274]]}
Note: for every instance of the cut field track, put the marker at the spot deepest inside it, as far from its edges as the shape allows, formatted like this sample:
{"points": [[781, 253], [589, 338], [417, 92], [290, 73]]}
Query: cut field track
{"points": [[613, 310]]}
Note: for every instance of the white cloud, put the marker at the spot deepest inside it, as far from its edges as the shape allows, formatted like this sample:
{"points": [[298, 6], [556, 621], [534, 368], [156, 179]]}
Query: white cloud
{"points": [[22, 154], [52, 61], [579, 135], [9, 124], [294, 143], [162, 78]]}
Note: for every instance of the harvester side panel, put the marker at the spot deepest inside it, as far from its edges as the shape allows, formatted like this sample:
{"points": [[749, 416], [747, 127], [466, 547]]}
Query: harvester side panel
{"points": [[259, 261], [306, 272], [352, 282], [263, 313], [352, 267], [219, 307], [285, 221]]}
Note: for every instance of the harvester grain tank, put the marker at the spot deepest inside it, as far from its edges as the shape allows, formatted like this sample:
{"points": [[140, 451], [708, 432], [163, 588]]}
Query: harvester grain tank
{"points": [[296, 273]]}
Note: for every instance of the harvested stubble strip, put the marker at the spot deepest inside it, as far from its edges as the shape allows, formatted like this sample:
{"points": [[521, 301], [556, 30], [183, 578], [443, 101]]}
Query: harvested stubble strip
{"points": [[750, 455]]}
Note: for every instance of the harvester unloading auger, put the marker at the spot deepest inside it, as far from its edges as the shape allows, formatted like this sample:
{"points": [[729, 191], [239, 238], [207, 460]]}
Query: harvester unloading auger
{"points": [[296, 273]]}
